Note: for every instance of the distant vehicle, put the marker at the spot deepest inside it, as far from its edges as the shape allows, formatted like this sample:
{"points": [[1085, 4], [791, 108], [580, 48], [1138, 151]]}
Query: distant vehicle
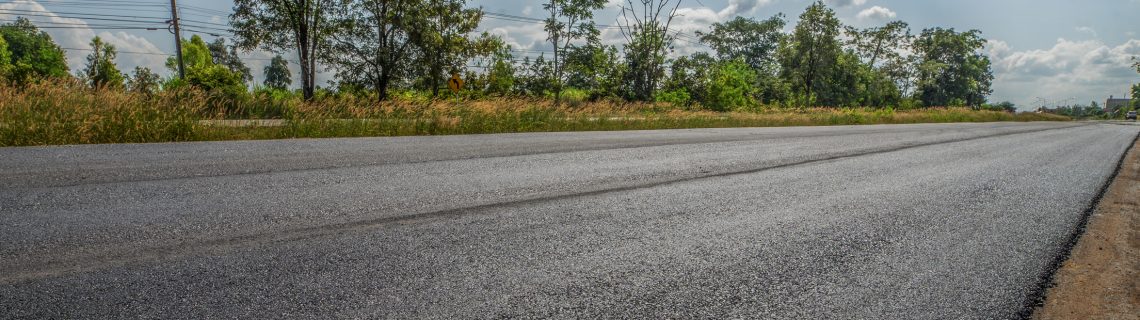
{"points": [[1130, 116]]}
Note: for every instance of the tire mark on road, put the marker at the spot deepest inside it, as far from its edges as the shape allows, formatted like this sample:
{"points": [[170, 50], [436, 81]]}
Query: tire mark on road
{"points": [[57, 178], [86, 263]]}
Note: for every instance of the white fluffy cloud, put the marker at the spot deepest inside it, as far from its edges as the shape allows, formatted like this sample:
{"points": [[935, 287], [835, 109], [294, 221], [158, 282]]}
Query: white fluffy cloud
{"points": [[739, 7], [876, 13], [846, 3], [1087, 70]]}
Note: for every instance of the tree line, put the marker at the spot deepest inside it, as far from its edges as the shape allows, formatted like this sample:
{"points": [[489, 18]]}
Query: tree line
{"points": [[375, 47]]}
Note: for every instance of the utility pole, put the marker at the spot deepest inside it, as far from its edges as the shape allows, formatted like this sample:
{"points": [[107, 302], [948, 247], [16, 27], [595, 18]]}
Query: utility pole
{"points": [[177, 39]]}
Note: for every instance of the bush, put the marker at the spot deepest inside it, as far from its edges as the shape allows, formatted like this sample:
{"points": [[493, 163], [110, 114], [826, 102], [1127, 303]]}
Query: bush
{"points": [[678, 98], [732, 87]]}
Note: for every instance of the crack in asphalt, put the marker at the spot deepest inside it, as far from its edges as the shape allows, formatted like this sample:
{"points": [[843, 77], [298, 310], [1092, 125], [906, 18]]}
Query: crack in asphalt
{"points": [[86, 263]]}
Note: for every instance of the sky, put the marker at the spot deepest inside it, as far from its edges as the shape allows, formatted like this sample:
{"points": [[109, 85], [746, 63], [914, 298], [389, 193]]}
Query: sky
{"points": [[1043, 51]]}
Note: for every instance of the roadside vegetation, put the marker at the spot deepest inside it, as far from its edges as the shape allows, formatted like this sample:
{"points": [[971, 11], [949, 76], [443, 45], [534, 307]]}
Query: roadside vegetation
{"points": [[392, 59]]}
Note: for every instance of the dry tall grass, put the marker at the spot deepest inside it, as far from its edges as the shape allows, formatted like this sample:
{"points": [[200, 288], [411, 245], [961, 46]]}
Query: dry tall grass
{"points": [[51, 113]]}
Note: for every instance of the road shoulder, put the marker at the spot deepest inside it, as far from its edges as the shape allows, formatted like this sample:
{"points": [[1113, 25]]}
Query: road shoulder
{"points": [[1101, 278]]}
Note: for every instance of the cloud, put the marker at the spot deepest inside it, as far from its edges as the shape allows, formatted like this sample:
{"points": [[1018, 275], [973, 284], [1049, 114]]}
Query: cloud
{"points": [[846, 3], [1088, 30], [876, 13], [738, 7], [1086, 70]]}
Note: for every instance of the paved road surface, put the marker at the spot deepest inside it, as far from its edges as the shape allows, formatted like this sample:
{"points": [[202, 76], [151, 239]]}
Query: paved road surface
{"points": [[905, 221]]}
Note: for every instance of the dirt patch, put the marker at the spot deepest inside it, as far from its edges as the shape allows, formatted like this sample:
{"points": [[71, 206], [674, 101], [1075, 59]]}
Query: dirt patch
{"points": [[1101, 279]]}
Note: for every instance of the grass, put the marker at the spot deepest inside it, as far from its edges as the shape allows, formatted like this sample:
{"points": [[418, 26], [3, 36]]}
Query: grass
{"points": [[68, 113]]}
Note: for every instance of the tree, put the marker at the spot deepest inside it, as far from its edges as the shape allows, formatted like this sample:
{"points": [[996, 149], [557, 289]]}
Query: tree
{"points": [[953, 70], [808, 57], [754, 42], [373, 45], [691, 75], [443, 42], [731, 86], [5, 59], [501, 71], [33, 53], [1136, 87], [1005, 106], [595, 67], [143, 81], [882, 48], [646, 31], [535, 79], [277, 74], [227, 56], [878, 44], [278, 25], [569, 20], [202, 72], [101, 70]]}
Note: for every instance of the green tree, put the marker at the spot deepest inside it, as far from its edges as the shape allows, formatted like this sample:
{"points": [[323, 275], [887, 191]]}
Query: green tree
{"points": [[595, 67], [882, 49], [143, 81], [1004, 106], [569, 20], [691, 75], [1136, 87], [101, 70], [878, 44], [202, 72], [856, 84], [33, 53], [731, 86], [226, 55], [373, 45], [808, 57], [443, 40], [754, 42], [501, 72], [535, 79], [953, 70], [646, 31], [5, 59], [280, 25], [277, 74]]}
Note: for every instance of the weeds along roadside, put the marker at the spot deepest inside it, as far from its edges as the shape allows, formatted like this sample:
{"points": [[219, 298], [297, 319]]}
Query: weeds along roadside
{"points": [[55, 113]]}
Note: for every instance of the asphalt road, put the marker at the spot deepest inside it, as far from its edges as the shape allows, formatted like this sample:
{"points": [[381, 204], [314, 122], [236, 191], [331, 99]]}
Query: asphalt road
{"points": [[902, 221]]}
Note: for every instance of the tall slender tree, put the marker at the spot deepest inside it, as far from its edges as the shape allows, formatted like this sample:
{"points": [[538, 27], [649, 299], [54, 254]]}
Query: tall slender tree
{"points": [[101, 70], [569, 20], [443, 39], [646, 31], [277, 74], [281, 25], [809, 56], [878, 44]]}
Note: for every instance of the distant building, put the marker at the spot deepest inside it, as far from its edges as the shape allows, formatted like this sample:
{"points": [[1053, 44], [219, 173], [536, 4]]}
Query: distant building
{"points": [[1114, 104]]}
